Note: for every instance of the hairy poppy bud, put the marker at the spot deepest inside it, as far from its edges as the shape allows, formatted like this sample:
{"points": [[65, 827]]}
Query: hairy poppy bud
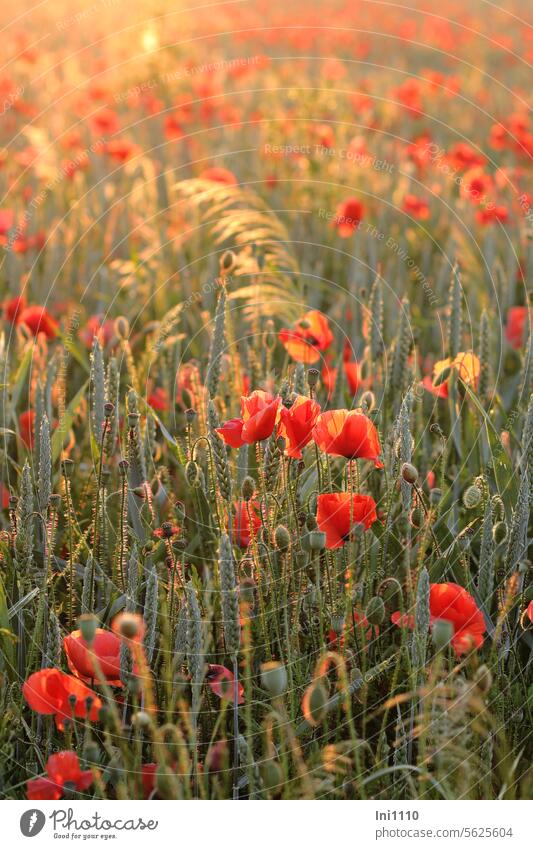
{"points": [[483, 678], [282, 537], [441, 633], [314, 703], [409, 473], [122, 327], [472, 497], [368, 401], [248, 488], [416, 517], [499, 532], [228, 262], [192, 473], [274, 678], [271, 775], [375, 610]]}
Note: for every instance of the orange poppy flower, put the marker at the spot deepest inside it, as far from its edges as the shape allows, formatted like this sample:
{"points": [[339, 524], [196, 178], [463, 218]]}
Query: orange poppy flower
{"points": [[62, 768], [244, 524], [305, 340], [347, 433], [453, 604], [49, 692], [26, 424], [260, 415], [106, 649], [297, 423], [338, 512], [13, 308], [219, 175], [467, 366]]}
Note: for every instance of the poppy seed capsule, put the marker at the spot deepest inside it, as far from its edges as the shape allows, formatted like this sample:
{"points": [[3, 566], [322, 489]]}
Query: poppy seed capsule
{"points": [[441, 633], [109, 409], [312, 377], [55, 501], [67, 468], [282, 537], [472, 497], [435, 495], [190, 415], [409, 473], [87, 625], [317, 540], [337, 623], [274, 678], [141, 719], [375, 611], [123, 467], [133, 419], [129, 626], [122, 327], [248, 487]]}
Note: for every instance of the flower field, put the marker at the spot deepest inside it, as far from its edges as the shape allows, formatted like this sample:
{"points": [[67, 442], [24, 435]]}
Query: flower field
{"points": [[266, 411]]}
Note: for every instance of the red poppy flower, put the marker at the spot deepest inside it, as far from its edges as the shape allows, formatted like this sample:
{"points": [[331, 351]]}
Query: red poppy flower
{"points": [[105, 122], [476, 185], [347, 433], [297, 424], [7, 220], [13, 308], [96, 326], [517, 325], [349, 216], [337, 513], [453, 604], [467, 366], [415, 206], [158, 399], [38, 320], [307, 338], [352, 371], [106, 649], [231, 432], [121, 149], [495, 212], [26, 425], [172, 128], [49, 692], [148, 778], [219, 175], [462, 156], [221, 681], [244, 524], [260, 415], [62, 768]]}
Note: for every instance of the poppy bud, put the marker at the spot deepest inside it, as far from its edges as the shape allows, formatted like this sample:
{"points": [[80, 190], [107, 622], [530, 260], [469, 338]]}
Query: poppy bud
{"points": [[472, 497], [435, 495], [190, 415], [499, 532], [192, 473], [87, 625], [141, 719], [312, 377], [441, 633], [282, 537], [122, 327], [409, 473], [416, 517], [375, 610], [271, 774], [228, 262], [274, 678], [483, 678], [314, 703], [140, 492], [368, 401], [129, 626], [248, 487]]}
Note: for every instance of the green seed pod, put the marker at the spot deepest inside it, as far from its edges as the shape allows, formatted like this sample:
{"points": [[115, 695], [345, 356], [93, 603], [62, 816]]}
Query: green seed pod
{"points": [[87, 625], [441, 633], [499, 532], [316, 540], [375, 611], [122, 327], [248, 488], [314, 703], [416, 517], [472, 497]]}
